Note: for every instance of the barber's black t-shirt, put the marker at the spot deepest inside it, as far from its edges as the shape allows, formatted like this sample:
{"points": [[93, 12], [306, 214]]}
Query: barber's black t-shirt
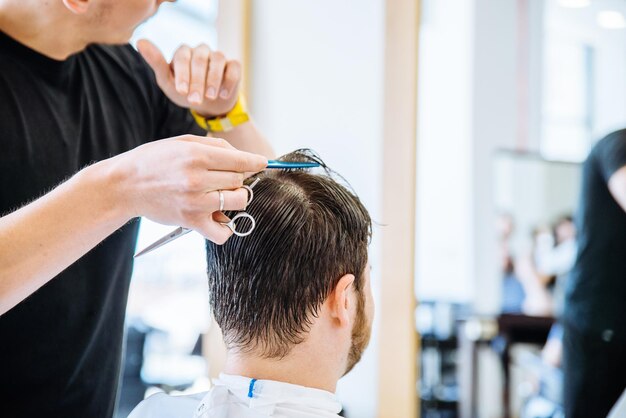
{"points": [[596, 289], [60, 349]]}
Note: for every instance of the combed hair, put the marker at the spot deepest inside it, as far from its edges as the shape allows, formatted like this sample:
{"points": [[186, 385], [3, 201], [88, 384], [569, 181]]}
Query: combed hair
{"points": [[266, 288]]}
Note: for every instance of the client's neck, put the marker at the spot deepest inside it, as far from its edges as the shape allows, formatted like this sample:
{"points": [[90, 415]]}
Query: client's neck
{"points": [[304, 366]]}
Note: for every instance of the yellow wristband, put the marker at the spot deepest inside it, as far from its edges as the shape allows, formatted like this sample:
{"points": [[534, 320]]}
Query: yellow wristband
{"points": [[235, 117]]}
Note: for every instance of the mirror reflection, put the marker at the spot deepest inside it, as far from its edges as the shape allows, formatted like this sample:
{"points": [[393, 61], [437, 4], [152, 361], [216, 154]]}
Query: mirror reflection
{"points": [[535, 201], [513, 96]]}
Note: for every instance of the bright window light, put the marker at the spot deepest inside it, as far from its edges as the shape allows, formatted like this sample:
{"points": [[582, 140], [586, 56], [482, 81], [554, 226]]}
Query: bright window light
{"points": [[611, 19], [574, 4]]}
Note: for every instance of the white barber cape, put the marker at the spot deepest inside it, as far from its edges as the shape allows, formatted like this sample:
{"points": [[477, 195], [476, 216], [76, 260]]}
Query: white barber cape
{"points": [[619, 409], [243, 397]]}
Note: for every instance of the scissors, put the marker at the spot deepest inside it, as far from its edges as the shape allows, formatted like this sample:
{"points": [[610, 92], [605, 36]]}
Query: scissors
{"points": [[180, 231]]}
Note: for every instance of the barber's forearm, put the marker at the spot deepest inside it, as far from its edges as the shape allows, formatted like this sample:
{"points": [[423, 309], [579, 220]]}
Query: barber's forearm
{"points": [[42, 239], [246, 137], [173, 181]]}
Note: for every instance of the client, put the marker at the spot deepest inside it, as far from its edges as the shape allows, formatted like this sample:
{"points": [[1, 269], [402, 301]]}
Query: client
{"points": [[292, 299]]}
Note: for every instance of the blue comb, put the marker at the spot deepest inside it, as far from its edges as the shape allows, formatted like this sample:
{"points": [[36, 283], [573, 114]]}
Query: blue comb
{"points": [[284, 165]]}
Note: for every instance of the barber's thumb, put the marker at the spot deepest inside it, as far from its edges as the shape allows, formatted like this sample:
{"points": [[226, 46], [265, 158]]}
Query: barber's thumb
{"points": [[154, 58]]}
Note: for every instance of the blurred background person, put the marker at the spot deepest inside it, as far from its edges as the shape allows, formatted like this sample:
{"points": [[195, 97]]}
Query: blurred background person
{"points": [[512, 290]]}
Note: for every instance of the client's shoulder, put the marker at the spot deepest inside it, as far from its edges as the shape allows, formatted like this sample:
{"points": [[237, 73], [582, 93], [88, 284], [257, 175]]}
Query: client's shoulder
{"points": [[161, 405]]}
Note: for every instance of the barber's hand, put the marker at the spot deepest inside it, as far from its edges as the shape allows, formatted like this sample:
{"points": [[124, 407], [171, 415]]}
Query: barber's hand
{"points": [[176, 181], [197, 78]]}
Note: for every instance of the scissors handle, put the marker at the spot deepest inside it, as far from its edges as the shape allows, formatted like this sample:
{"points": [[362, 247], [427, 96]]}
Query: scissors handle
{"points": [[180, 231]]}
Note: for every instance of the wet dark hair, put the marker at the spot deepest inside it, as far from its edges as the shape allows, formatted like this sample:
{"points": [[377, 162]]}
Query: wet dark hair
{"points": [[265, 289]]}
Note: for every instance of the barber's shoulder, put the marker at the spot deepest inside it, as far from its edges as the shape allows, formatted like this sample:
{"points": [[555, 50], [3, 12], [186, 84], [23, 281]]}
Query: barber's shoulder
{"points": [[161, 405], [122, 62], [122, 57], [614, 141]]}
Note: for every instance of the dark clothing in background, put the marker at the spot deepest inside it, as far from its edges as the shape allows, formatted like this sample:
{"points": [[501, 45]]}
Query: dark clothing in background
{"points": [[594, 374], [60, 349], [595, 300]]}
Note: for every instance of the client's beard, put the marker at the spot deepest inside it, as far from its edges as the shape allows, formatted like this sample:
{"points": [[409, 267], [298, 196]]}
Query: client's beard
{"points": [[360, 334]]}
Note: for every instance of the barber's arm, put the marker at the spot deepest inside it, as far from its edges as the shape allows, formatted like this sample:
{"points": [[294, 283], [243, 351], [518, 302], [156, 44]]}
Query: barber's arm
{"points": [[172, 181], [617, 186], [208, 83]]}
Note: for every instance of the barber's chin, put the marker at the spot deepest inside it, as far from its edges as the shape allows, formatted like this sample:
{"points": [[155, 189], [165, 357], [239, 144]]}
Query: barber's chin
{"points": [[117, 41], [115, 37], [124, 37], [150, 16]]}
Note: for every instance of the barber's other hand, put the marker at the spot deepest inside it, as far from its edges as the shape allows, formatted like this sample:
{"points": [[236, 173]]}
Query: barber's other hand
{"points": [[197, 78], [175, 181]]}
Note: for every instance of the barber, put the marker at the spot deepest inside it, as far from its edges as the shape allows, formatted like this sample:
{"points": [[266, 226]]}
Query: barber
{"points": [[82, 115]]}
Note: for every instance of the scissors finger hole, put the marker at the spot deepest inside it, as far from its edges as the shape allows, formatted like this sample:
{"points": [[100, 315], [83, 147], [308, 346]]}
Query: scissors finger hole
{"points": [[250, 192], [241, 224]]}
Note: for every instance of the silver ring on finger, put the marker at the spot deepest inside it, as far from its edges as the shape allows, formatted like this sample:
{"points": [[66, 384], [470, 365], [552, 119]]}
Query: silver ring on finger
{"points": [[221, 200]]}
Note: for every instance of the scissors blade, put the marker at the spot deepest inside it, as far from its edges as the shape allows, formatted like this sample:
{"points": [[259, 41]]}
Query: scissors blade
{"points": [[285, 165], [177, 233]]}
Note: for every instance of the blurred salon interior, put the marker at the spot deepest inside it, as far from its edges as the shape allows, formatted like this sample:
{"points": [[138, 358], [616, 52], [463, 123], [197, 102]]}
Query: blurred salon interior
{"points": [[463, 125]]}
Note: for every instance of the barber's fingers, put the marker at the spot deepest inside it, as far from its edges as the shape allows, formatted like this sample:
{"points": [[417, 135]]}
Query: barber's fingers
{"points": [[181, 65], [205, 181], [220, 217], [232, 77], [199, 67], [219, 142], [214, 231], [217, 158], [210, 224], [234, 160], [233, 200], [157, 62], [199, 204], [206, 217], [205, 140], [215, 74]]}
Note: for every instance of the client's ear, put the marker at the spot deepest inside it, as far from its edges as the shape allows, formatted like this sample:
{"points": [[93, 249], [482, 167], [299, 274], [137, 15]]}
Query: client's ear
{"points": [[340, 300], [78, 7]]}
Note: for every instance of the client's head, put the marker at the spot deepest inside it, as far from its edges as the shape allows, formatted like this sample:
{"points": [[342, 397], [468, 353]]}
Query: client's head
{"points": [[299, 284]]}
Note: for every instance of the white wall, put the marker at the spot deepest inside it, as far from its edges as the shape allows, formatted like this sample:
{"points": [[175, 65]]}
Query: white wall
{"points": [[467, 109], [316, 81], [444, 140], [468, 103], [495, 109]]}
